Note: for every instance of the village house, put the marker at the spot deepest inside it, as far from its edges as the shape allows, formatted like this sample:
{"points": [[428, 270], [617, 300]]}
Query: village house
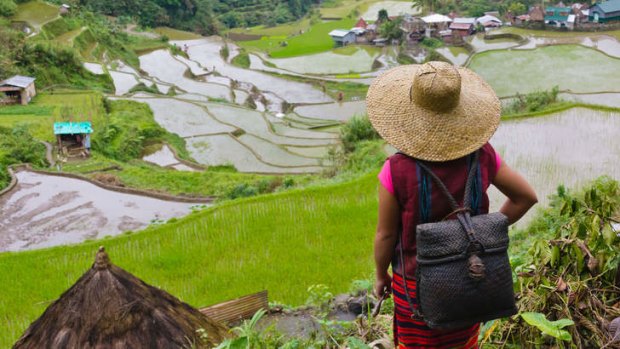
{"points": [[436, 24], [607, 11], [17, 90], [489, 21], [581, 12], [560, 17], [342, 37], [462, 27]]}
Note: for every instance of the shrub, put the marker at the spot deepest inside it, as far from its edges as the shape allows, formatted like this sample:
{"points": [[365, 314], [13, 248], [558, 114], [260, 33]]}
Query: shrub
{"points": [[7, 8], [356, 130]]}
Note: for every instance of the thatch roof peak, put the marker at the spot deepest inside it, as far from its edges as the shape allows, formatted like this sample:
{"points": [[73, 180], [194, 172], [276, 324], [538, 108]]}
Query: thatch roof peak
{"points": [[102, 261], [111, 308]]}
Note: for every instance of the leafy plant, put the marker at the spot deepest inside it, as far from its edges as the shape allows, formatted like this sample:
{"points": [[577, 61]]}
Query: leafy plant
{"points": [[551, 328]]}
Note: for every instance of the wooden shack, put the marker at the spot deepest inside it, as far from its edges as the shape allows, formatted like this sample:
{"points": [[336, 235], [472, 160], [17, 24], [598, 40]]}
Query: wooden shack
{"points": [[73, 138], [17, 90]]}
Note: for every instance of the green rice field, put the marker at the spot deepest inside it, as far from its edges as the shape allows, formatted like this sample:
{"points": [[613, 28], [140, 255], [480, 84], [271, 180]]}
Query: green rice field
{"points": [[282, 243], [567, 66], [175, 34], [36, 13], [313, 40]]}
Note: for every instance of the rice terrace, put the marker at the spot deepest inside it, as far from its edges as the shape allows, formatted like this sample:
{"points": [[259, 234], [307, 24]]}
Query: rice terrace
{"points": [[215, 159]]}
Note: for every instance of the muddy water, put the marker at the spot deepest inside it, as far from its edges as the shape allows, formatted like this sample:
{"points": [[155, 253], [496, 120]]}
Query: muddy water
{"points": [[206, 52], [481, 45], [43, 211], [94, 68], [183, 118], [162, 65], [569, 148], [123, 82], [607, 99], [330, 62], [333, 111], [457, 57], [227, 150], [163, 157]]}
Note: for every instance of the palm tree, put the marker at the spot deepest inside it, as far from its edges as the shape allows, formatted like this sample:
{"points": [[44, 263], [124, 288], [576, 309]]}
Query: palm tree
{"points": [[429, 5]]}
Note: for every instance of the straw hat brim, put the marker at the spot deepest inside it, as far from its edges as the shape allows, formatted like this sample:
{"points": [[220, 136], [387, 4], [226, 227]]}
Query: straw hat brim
{"points": [[426, 134]]}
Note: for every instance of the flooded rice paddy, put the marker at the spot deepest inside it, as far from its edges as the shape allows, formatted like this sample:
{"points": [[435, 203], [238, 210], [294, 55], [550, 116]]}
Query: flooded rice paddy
{"points": [[43, 211], [570, 148], [334, 62], [333, 111], [164, 157], [568, 66]]}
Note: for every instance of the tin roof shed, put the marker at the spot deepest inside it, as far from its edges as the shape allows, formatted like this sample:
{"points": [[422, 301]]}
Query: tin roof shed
{"points": [[18, 81], [68, 128]]}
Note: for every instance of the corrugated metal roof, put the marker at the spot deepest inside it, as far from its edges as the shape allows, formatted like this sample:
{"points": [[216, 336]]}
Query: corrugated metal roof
{"points": [[339, 33], [461, 26], [610, 6], [68, 128], [18, 80], [464, 20]]}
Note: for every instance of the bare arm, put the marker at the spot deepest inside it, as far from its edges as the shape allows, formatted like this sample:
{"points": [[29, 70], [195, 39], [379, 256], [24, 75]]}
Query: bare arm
{"points": [[385, 238], [521, 195]]}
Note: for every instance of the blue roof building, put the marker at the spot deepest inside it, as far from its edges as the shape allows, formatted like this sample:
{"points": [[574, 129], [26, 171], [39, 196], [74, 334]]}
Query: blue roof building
{"points": [[72, 128], [606, 11]]}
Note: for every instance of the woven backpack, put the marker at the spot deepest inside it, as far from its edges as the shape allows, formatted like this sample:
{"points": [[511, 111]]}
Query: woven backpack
{"points": [[463, 274]]}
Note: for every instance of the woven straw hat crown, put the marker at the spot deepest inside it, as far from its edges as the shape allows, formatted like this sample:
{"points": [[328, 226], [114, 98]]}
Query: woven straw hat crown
{"points": [[434, 111], [436, 86]]}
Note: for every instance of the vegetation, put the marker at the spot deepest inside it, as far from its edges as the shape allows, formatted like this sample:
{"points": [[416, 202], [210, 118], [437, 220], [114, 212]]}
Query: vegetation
{"points": [[533, 102], [242, 60], [314, 40], [570, 273], [18, 146], [391, 29], [298, 234]]}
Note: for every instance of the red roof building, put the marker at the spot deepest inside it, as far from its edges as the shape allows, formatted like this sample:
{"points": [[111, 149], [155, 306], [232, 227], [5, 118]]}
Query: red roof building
{"points": [[361, 24]]}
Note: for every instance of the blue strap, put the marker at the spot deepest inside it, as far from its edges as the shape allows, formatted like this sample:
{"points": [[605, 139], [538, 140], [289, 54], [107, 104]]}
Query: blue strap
{"points": [[425, 187]]}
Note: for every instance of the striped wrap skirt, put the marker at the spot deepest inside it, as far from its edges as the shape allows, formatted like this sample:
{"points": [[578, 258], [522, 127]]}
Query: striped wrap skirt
{"points": [[412, 333]]}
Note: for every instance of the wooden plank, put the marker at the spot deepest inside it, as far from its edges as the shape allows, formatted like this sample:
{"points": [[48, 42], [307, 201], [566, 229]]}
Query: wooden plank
{"points": [[237, 309]]}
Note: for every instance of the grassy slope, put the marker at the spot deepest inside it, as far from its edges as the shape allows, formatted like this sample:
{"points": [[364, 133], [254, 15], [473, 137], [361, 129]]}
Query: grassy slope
{"points": [[175, 34], [283, 243], [36, 13], [314, 40]]}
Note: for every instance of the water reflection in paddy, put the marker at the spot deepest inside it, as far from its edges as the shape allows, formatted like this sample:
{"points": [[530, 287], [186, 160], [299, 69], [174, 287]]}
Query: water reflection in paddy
{"points": [[569, 148], [43, 211], [332, 62], [207, 53], [333, 111]]}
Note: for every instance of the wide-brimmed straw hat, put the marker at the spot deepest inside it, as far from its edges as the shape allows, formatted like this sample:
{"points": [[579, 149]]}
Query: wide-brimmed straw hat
{"points": [[434, 111]]}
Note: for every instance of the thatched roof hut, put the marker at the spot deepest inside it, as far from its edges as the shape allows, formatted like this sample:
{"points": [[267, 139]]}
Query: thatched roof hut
{"points": [[110, 308]]}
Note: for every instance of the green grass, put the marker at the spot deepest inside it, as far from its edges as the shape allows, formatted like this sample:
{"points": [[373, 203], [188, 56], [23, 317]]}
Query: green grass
{"points": [[511, 71], [68, 37], [242, 60], [289, 29], [314, 40], [35, 13], [175, 34], [283, 243]]}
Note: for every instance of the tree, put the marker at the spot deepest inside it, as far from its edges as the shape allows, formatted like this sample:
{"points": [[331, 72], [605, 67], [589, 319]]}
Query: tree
{"points": [[428, 5], [382, 16], [7, 8], [391, 29], [517, 8]]}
